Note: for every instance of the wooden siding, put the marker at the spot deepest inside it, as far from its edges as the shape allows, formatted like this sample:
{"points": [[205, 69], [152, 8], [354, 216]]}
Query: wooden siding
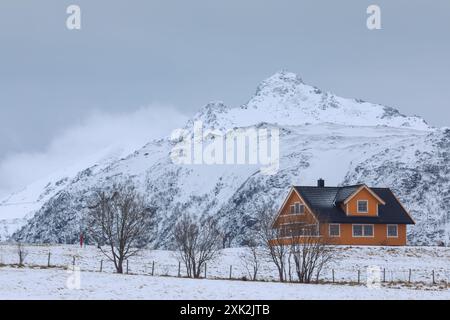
{"points": [[379, 238], [286, 217], [352, 205]]}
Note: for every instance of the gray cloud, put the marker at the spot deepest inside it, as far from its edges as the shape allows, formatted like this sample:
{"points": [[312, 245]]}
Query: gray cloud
{"points": [[99, 137]]}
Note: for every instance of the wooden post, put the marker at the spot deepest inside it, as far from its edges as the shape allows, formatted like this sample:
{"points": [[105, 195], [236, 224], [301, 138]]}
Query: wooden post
{"points": [[179, 269], [205, 270], [101, 265], [332, 272], [48, 260], [127, 266], [73, 262], [231, 271], [384, 275], [434, 282], [153, 268], [359, 276], [409, 276]]}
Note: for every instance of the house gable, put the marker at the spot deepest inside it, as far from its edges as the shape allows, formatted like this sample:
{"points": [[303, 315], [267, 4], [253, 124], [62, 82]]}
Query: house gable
{"points": [[363, 202], [285, 216]]}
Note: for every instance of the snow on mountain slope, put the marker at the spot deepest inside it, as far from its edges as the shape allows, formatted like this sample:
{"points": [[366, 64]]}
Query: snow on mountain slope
{"points": [[17, 208], [321, 135]]}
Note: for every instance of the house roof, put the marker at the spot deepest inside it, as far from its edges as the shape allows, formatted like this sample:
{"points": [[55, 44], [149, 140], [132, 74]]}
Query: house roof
{"points": [[345, 192], [324, 201]]}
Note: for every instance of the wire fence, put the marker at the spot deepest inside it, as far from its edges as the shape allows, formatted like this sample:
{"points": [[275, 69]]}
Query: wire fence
{"points": [[167, 265]]}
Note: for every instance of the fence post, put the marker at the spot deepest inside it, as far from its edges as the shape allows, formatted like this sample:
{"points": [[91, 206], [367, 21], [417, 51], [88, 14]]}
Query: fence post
{"points": [[179, 269], [384, 274], [101, 265], [153, 268], [48, 260], [434, 282], [73, 261], [231, 271], [205, 270], [359, 276], [332, 272], [409, 276]]}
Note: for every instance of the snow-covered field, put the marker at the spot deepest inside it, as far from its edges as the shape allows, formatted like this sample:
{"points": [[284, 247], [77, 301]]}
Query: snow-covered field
{"points": [[36, 281], [394, 262], [37, 284]]}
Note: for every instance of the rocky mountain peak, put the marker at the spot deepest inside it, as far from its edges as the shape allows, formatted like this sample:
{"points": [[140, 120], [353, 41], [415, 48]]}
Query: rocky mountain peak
{"points": [[280, 82]]}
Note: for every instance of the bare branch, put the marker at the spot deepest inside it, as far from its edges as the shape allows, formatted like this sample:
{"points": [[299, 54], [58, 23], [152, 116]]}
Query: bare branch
{"points": [[119, 219], [197, 243]]}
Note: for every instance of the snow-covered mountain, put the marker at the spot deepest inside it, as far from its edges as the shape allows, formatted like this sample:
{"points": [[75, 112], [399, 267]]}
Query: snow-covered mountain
{"points": [[284, 99], [321, 135], [17, 208]]}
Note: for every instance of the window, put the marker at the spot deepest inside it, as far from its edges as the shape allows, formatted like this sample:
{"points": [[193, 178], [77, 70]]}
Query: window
{"points": [[299, 208], [292, 209], [357, 231], [298, 230], [362, 230], [392, 231], [335, 230], [363, 206], [285, 231], [368, 230]]}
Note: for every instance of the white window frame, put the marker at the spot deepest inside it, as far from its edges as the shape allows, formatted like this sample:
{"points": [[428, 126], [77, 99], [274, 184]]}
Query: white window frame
{"points": [[387, 230], [299, 206], [363, 233], [292, 209], [293, 212], [367, 206], [339, 230]]}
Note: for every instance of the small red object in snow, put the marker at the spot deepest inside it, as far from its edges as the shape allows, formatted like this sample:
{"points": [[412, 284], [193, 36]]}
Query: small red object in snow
{"points": [[81, 240]]}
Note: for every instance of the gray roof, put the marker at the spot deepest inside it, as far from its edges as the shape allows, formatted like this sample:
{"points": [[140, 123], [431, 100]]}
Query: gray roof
{"points": [[345, 192], [324, 201]]}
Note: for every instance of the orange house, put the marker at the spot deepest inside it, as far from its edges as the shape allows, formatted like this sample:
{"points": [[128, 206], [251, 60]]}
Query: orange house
{"points": [[348, 215]]}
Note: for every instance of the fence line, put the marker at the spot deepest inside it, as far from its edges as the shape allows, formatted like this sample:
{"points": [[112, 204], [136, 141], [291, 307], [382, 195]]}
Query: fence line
{"points": [[225, 271], [333, 275]]}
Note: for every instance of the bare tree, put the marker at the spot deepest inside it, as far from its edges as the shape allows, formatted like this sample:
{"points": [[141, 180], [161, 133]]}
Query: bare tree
{"points": [[311, 251], [300, 242], [120, 220], [197, 242], [22, 253], [251, 257], [272, 240]]}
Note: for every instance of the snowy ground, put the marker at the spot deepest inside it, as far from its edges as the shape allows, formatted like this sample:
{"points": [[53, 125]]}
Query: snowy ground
{"points": [[36, 284], [36, 281], [396, 261]]}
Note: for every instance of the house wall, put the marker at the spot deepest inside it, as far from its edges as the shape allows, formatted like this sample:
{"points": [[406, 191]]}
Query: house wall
{"points": [[352, 205], [379, 238], [346, 237]]}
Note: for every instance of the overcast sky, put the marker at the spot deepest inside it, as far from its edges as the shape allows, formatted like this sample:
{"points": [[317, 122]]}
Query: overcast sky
{"points": [[158, 53]]}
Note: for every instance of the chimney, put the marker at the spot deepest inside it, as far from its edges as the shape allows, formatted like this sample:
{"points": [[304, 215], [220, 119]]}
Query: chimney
{"points": [[321, 183]]}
